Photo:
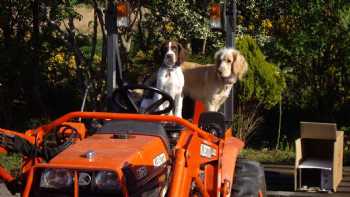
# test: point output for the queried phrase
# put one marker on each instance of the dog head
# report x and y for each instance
(231, 65)
(172, 53)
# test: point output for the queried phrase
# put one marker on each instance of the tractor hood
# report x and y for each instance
(110, 152)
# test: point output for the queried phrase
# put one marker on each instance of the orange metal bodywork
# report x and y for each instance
(137, 151)
(198, 158)
(80, 128)
(231, 147)
(199, 108)
(134, 149)
(5, 175)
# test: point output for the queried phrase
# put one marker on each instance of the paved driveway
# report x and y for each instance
(4, 192)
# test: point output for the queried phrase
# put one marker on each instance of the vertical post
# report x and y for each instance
(230, 27)
(230, 22)
(111, 49)
(114, 67)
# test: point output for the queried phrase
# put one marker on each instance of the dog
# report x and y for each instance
(170, 78)
(212, 83)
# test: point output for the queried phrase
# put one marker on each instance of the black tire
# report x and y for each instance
(249, 179)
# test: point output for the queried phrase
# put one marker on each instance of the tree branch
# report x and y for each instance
(102, 25)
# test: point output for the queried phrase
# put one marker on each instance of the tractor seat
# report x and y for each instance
(135, 127)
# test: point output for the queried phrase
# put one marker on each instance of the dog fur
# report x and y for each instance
(212, 83)
(170, 78)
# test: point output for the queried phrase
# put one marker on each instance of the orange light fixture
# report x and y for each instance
(122, 9)
(215, 16)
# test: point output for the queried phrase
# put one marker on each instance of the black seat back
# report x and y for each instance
(213, 122)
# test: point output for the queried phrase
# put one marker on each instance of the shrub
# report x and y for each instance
(261, 89)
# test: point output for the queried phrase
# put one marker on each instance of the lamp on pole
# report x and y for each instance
(116, 16)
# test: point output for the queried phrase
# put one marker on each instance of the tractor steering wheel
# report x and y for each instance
(122, 99)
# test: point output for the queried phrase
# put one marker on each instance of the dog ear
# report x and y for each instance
(158, 55)
(240, 65)
(217, 57)
(163, 49)
(181, 53)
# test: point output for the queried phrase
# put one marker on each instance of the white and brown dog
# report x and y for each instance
(212, 83)
(170, 78)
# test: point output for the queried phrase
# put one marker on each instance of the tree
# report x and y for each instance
(177, 19)
(309, 41)
(42, 56)
(260, 90)
(313, 45)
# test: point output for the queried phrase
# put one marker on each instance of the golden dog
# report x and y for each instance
(212, 83)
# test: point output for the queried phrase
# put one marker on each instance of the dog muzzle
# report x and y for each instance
(171, 67)
(227, 80)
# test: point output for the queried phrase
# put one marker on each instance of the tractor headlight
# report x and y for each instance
(56, 178)
(107, 181)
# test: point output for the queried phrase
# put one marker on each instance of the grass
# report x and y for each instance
(269, 156)
(11, 163)
(286, 157)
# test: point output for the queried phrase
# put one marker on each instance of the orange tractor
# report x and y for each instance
(131, 154)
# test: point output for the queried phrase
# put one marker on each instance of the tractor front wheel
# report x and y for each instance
(249, 179)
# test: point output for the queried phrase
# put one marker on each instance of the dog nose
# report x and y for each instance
(169, 55)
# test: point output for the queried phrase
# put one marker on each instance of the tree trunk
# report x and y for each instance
(94, 40)
(142, 36)
(279, 126)
(204, 46)
(102, 26)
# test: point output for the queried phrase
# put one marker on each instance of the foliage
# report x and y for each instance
(315, 52)
(15, 72)
(254, 19)
(179, 13)
(202, 59)
(46, 62)
(264, 82)
(309, 41)
(247, 121)
(11, 163)
(261, 89)
(155, 21)
(44, 69)
(182, 20)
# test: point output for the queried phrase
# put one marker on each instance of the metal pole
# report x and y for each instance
(230, 26)
(111, 49)
(230, 22)
(114, 66)
(119, 73)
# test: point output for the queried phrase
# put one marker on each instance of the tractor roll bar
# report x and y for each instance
(122, 116)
